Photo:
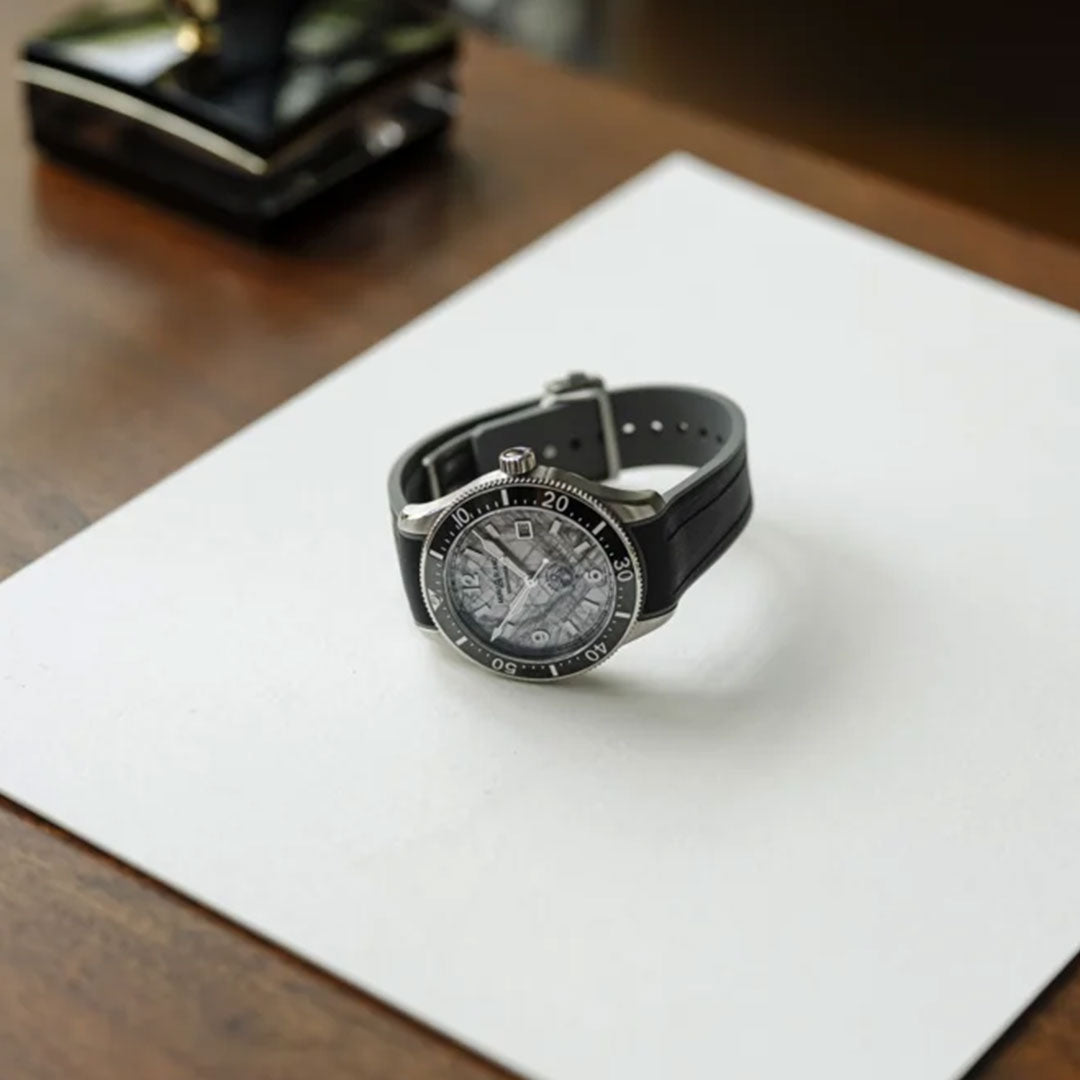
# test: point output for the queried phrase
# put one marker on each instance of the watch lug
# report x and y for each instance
(647, 626)
(417, 519)
(631, 506)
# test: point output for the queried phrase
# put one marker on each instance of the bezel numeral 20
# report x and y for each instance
(552, 500)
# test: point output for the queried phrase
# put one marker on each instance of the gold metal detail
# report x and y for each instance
(198, 32)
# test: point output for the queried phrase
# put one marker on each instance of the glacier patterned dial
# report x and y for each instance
(530, 581)
(533, 581)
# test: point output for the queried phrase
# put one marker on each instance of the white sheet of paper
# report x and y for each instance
(824, 823)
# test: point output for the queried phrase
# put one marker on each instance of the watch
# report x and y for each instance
(515, 549)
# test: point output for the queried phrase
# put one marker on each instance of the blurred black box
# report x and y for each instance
(246, 112)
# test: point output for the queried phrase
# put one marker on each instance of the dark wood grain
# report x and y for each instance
(971, 100)
(134, 339)
(104, 975)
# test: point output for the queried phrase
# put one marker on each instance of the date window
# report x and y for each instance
(523, 529)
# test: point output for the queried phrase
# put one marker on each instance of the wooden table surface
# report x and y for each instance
(134, 339)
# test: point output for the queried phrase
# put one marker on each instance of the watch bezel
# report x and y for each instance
(528, 491)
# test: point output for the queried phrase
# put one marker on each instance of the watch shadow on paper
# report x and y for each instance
(760, 641)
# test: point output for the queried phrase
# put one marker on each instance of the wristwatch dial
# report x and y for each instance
(532, 580)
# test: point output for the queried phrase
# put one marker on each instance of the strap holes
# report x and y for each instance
(575, 444)
(703, 432)
(720, 438)
(629, 427)
(683, 427)
(549, 452)
(657, 426)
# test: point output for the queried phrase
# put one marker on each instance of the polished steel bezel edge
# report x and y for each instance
(500, 480)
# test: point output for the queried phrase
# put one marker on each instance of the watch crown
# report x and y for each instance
(517, 460)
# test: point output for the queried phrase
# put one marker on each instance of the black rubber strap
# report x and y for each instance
(655, 425)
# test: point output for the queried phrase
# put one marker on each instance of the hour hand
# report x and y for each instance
(504, 557)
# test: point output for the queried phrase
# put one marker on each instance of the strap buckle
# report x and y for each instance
(577, 386)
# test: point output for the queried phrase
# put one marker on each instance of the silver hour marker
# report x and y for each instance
(491, 530)
(582, 547)
(556, 525)
(588, 600)
(569, 627)
(523, 530)
(599, 528)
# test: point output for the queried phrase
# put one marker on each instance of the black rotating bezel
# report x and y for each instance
(507, 493)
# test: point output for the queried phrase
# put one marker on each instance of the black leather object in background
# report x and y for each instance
(280, 66)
